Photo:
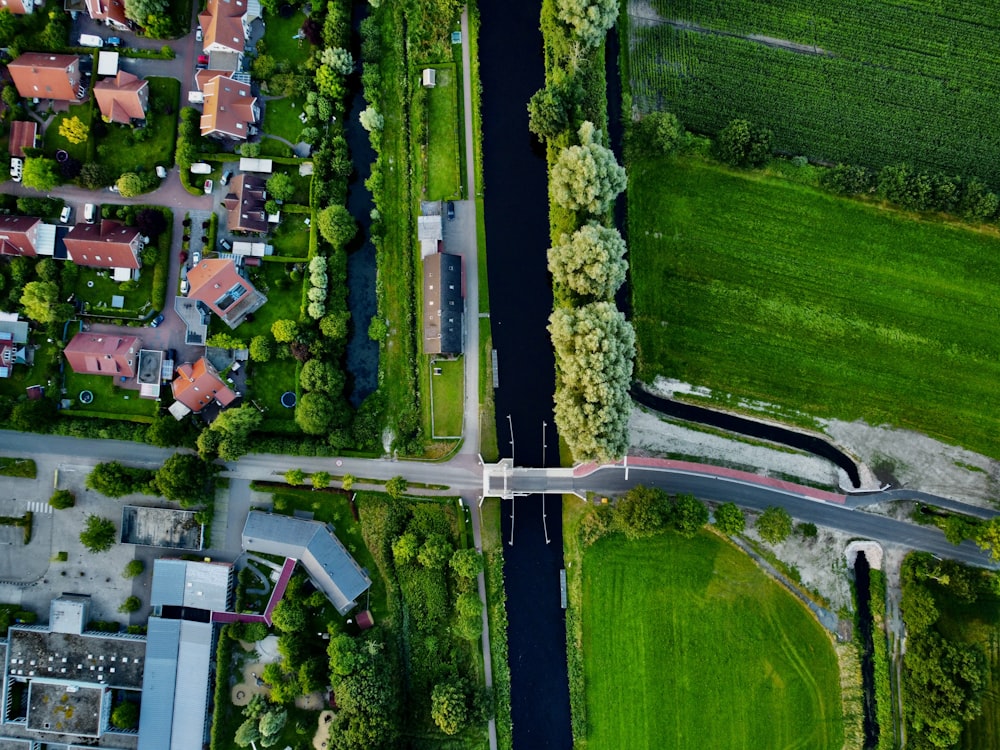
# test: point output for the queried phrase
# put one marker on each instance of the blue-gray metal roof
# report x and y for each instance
(168, 583)
(159, 683)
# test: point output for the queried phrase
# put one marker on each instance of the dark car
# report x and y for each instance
(225, 178)
(183, 256)
(451, 210)
(226, 244)
(156, 321)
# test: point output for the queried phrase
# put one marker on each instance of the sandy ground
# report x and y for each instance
(244, 691)
(322, 739)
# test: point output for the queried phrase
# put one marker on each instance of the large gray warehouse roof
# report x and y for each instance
(326, 560)
(184, 583)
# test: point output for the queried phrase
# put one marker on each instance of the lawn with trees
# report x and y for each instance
(814, 303)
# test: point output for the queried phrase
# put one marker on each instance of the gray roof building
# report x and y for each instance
(183, 583)
(443, 304)
(328, 563)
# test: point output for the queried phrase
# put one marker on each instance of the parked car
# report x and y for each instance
(225, 178)
(451, 210)
(195, 258)
(184, 287)
(198, 36)
(202, 61)
(161, 171)
(208, 186)
(113, 188)
(113, 41)
(65, 214)
(16, 169)
(183, 256)
(225, 244)
(156, 321)
(89, 212)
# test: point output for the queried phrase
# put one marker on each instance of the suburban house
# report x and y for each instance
(22, 136)
(18, 7)
(43, 75)
(245, 204)
(110, 12)
(123, 98)
(106, 244)
(103, 354)
(443, 304)
(230, 110)
(60, 680)
(19, 235)
(198, 385)
(13, 343)
(311, 543)
(218, 285)
(226, 24)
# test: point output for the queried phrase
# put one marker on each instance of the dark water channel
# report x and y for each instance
(862, 587)
(362, 352)
(510, 53)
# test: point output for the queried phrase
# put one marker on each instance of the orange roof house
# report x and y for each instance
(198, 385)
(220, 287)
(22, 136)
(245, 204)
(229, 109)
(18, 7)
(44, 75)
(123, 98)
(103, 354)
(226, 24)
(19, 235)
(112, 12)
(106, 244)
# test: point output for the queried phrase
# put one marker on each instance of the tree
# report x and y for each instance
(642, 511)
(396, 487)
(405, 548)
(740, 144)
(230, 433)
(807, 530)
(262, 348)
(284, 331)
(334, 325)
(586, 177)
(125, 715)
(271, 725)
(289, 616)
(98, 534)
(130, 184)
(552, 110)
(247, 734)
(295, 477)
(142, 11)
(591, 262)
(280, 187)
(40, 174)
(130, 605)
(378, 329)
(336, 225)
(314, 412)
(94, 176)
(133, 569)
(589, 21)
(320, 480)
(774, 525)
(41, 302)
(656, 134)
(186, 479)
(338, 59)
(317, 375)
(347, 482)
(115, 480)
(689, 514)
(62, 499)
(435, 552)
(371, 120)
(729, 519)
(467, 563)
(151, 222)
(74, 130)
(8, 30)
(594, 347)
(448, 707)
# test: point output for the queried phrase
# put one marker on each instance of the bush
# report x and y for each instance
(62, 499)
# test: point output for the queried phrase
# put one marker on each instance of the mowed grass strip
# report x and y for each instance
(443, 179)
(688, 644)
(777, 291)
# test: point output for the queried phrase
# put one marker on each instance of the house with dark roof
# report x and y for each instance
(19, 235)
(44, 75)
(313, 544)
(109, 12)
(245, 204)
(229, 110)
(103, 354)
(18, 7)
(198, 385)
(444, 304)
(217, 284)
(105, 244)
(123, 98)
(22, 136)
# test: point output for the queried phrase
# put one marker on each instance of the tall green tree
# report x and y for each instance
(41, 302)
(590, 262)
(98, 534)
(141, 11)
(336, 225)
(40, 173)
(587, 177)
(774, 525)
(186, 479)
(448, 707)
(589, 20)
(729, 519)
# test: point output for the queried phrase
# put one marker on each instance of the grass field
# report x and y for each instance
(443, 179)
(117, 150)
(54, 142)
(688, 644)
(776, 291)
(868, 83)
(447, 391)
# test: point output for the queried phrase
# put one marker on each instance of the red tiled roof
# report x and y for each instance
(106, 244)
(18, 235)
(222, 24)
(228, 108)
(123, 98)
(46, 76)
(103, 354)
(16, 6)
(108, 10)
(22, 136)
(220, 287)
(197, 385)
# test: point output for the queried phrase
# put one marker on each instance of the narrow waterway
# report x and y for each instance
(862, 588)
(362, 352)
(516, 199)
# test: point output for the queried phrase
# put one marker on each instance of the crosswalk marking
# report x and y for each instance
(39, 507)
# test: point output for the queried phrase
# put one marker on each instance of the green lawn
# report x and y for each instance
(776, 291)
(119, 150)
(108, 397)
(54, 142)
(96, 288)
(279, 39)
(447, 390)
(281, 118)
(291, 237)
(688, 644)
(442, 175)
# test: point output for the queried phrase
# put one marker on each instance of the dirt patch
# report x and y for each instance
(311, 702)
(321, 741)
(248, 688)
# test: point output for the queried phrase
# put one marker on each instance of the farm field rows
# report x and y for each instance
(689, 644)
(870, 82)
(777, 291)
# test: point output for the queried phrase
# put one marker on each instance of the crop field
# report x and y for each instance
(869, 82)
(688, 644)
(776, 291)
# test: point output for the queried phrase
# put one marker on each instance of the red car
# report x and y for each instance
(202, 61)
(183, 256)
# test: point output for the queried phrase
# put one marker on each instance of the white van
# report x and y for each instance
(91, 40)
(89, 213)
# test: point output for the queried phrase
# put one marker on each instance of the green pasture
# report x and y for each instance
(770, 290)
(687, 644)
(448, 392)
(442, 158)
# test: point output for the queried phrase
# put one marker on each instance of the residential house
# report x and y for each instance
(8, 354)
(22, 136)
(106, 244)
(110, 12)
(245, 204)
(443, 304)
(230, 109)
(198, 385)
(226, 24)
(18, 7)
(218, 285)
(19, 235)
(122, 99)
(103, 354)
(44, 75)
(13, 343)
